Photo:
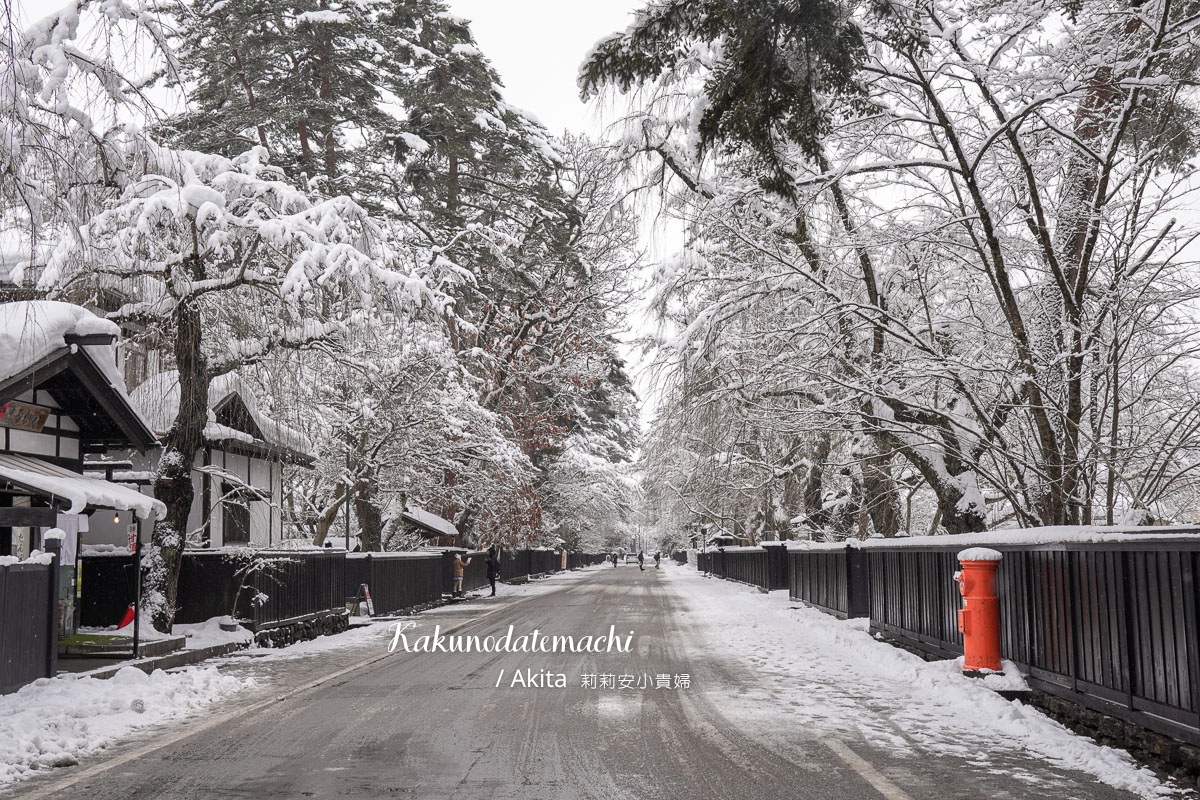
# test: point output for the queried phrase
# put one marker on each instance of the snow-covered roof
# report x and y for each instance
(158, 399)
(430, 521)
(58, 482)
(34, 333)
(34, 329)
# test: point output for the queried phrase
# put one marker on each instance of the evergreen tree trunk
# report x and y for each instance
(306, 158)
(326, 94)
(251, 102)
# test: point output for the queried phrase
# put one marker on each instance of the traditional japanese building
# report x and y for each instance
(63, 399)
(238, 476)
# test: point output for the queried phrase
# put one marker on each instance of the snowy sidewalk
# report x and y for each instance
(832, 679)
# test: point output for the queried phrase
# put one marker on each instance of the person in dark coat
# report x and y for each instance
(641, 561)
(657, 556)
(614, 560)
(493, 567)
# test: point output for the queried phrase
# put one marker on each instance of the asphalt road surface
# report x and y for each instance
(362, 723)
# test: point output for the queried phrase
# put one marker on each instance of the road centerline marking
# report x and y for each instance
(863, 767)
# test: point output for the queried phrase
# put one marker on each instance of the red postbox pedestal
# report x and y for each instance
(979, 618)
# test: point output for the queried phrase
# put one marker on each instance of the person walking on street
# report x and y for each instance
(459, 565)
(641, 561)
(657, 556)
(493, 567)
(614, 560)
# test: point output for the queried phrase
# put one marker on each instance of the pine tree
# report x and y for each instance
(300, 78)
(786, 70)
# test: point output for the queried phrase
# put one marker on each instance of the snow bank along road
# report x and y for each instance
(724, 693)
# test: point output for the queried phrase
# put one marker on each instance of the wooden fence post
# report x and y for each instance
(54, 548)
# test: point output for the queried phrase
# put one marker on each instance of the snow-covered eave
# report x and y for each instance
(79, 492)
(158, 396)
(429, 521)
(224, 389)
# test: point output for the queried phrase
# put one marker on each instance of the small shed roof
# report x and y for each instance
(430, 521)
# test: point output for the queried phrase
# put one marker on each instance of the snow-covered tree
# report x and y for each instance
(943, 260)
(528, 239)
(72, 83)
(227, 264)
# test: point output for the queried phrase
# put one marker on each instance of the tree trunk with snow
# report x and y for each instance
(173, 482)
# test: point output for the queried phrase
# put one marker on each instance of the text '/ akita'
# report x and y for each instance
(535, 642)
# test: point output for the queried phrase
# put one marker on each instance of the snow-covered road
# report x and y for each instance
(763, 700)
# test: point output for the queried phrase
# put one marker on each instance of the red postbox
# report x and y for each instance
(979, 618)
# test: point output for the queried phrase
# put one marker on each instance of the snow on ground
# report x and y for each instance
(209, 633)
(54, 722)
(551, 582)
(832, 676)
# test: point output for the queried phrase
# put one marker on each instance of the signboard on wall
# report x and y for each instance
(23, 416)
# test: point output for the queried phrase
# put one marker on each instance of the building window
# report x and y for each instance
(235, 523)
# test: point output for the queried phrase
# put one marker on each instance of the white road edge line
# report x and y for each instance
(55, 788)
(871, 775)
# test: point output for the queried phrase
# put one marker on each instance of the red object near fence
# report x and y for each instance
(979, 618)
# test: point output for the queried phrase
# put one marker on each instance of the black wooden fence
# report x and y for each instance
(580, 560)
(1111, 626)
(265, 588)
(29, 631)
(743, 564)
(834, 580)
(397, 581)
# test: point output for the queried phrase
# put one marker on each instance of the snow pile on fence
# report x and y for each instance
(54, 722)
(1051, 535)
(36, 557)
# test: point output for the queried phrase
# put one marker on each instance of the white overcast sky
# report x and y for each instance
(537, 45)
